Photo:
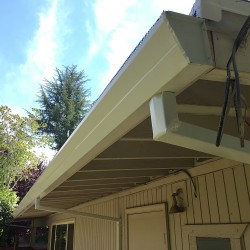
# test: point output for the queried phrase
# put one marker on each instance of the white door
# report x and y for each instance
(147, 228)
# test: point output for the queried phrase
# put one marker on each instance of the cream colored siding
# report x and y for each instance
(223, 197)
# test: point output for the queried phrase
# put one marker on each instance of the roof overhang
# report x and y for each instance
(113, 148)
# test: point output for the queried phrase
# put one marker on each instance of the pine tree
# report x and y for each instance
(64, 102)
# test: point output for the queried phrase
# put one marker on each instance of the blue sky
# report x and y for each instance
(96, 35)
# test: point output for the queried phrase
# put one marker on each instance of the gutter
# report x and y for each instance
(169, 129)
(168, 51)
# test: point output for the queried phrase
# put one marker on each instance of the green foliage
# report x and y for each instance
(18, 138)
(64, 102)
(22, 187)
(9, 198)
(8, 202)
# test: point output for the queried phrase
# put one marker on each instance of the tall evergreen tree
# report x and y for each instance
(64, 102)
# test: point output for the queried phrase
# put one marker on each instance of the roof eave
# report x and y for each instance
(160, 62)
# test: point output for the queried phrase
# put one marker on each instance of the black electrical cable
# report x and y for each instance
(225, 109)
(237, 102)
(234, 85)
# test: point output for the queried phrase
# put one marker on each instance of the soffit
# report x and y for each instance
(136, 159)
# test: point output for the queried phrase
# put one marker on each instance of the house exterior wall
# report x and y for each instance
(223, 198)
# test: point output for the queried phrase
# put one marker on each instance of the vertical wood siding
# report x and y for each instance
(223, 197)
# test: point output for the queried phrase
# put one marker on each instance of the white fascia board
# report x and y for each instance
(158, 63)
(169, 129)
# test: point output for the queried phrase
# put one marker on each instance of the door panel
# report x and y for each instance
(147, 231)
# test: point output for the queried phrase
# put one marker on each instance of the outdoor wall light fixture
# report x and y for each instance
(190, 177)
(178, 202)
